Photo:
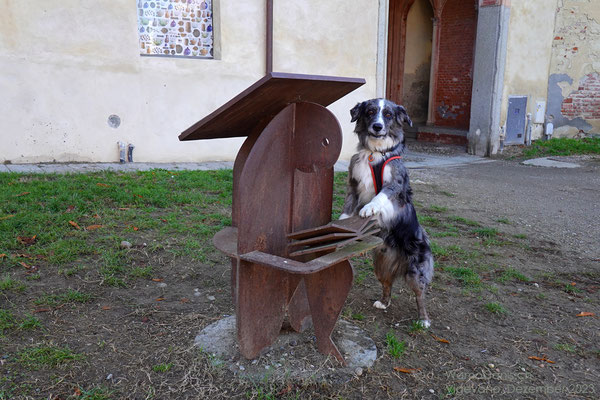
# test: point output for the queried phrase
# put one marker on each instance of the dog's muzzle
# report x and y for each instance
(376, 130)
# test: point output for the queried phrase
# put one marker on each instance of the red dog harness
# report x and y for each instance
(377, 172)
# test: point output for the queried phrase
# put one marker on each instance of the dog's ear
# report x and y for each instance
(402, 116)
(357, 111)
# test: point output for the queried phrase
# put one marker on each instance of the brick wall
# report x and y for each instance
(458, 25)
(585, 101)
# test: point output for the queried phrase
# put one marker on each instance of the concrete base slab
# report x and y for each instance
(56, 168)
(547, 162)
(24, 168)
(292, 355)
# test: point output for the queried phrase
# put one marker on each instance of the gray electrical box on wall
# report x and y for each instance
(516, 120)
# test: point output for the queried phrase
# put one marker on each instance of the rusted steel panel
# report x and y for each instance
(298, 306)
(316, 265)
(331, 236)
(265, 98)
(265, 188)
(327, 291)
(260, 309)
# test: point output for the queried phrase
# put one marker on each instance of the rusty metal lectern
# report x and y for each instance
(287, 257)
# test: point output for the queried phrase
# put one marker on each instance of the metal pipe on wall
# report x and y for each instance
(269, 38)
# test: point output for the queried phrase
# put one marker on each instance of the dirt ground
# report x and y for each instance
(514, 307)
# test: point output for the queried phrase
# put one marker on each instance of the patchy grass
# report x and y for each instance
(142, 272)
(7, 320)
(46, 356)
(485, 232)
(495, 308)
(162, 367)
(97, 393)
(437, 209)
(569, 348)
(395, 347)
(438, 251)
(562, 147)
(9, 284)
(443, 234)
(363, 268)
(29, 323)
(429, 221)
(69, 296)
(62, 212)
(357, 316)
(466, 276)
(464, 221)
(416, 327)
(572, 289)
(339, 194)
(512, 274)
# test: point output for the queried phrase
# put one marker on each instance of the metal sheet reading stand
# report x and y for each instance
(287, 257)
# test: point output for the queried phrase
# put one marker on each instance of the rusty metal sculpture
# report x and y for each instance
(286, 255)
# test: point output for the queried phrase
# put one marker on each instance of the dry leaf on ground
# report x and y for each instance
(27, 240)
(407, 370)
(541, 359)
(586, 314)
(74, 224)
(439, 339)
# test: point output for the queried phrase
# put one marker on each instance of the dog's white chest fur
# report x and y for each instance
(364, 176)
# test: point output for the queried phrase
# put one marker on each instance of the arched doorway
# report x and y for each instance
(417, 64)
(430, 56)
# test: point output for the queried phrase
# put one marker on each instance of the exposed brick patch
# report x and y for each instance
(458, 24)
(585, 101)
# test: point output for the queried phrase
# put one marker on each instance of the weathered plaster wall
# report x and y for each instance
(330, 38)
(67, 65)
(529, 49)
(574, 82)
(419, 28)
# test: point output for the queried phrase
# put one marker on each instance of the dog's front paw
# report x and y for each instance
(344, 216)
(425, 323)
(379, 305)
(369, 210)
